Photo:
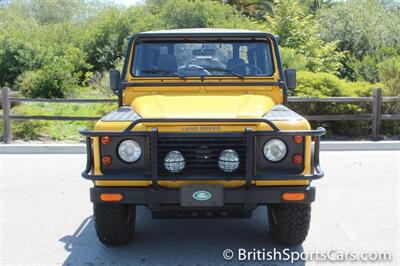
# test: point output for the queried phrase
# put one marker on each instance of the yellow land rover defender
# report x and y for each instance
(202, 130)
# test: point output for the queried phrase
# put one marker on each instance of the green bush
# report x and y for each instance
(15, 58)
(27, 130)
(327, 85)
(66, 130)
(389, 73)
(55, 79)
(291, 59)
(48, 82)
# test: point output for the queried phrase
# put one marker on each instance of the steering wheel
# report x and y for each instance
(189, 67)
(258, 71)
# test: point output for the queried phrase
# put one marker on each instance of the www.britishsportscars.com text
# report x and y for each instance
(331, 255)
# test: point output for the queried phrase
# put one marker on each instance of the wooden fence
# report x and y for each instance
(375, 117)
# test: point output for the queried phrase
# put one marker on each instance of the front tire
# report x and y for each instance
(289, 223)
(114, 223)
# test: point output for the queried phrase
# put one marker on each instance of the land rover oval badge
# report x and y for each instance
(201, 195)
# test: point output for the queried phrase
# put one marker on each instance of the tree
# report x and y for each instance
(253, 8)
(297, 30)
(103, 42)
(361, 26)
(389, 73)
(200, 14)
(315, 5)
(367, 30)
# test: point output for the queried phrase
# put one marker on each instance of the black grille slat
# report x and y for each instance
(185, 147)
(193, 148)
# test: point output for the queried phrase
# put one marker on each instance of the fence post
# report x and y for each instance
(5, 93)
(376, 113)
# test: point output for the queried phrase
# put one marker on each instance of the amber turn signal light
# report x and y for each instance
(111, 197)
(106, 160)
(298, 139)
(105, 140)
(297, 159)
(293, 196)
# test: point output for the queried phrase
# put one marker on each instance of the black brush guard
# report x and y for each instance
(316, 171)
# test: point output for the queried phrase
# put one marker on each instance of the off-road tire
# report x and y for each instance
(289, 223)
(114, 223)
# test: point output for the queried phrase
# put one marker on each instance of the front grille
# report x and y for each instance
(201, 154)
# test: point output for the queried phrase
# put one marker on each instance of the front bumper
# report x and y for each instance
(231, 196)
(316, 171)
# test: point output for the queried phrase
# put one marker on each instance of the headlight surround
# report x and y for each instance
(275, 150)
(129, 151)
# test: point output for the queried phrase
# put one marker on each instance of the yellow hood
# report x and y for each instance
(198, 106)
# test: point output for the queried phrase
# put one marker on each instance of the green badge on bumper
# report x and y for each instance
(201, 195)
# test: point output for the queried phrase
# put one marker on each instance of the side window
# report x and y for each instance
(270, 61)
(138, 59)
(147, 57)
(260, 56)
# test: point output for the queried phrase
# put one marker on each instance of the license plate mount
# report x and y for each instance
(202, 195)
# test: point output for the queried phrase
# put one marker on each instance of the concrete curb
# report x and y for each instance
(358, 145)
(42, 149)
(80, 148)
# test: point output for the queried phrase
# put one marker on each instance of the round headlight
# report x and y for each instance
(228, 161)
(174, 161)
(129, 151)
(275, 150)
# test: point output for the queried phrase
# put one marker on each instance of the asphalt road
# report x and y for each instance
(46, 217)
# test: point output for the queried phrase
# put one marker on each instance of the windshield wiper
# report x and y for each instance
(227, 70)
(163, 71)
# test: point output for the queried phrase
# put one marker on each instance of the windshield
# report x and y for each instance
(202, 58)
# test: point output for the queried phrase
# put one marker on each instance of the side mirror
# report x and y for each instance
(115, 80)
(290, 78)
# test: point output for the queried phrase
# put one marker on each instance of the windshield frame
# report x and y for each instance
(188, 39)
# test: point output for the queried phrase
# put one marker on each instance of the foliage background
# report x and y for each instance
(64, 48)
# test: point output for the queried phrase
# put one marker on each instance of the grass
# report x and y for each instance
(56, 130)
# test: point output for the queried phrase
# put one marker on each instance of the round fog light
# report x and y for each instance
(228, 161)
(174, 161)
